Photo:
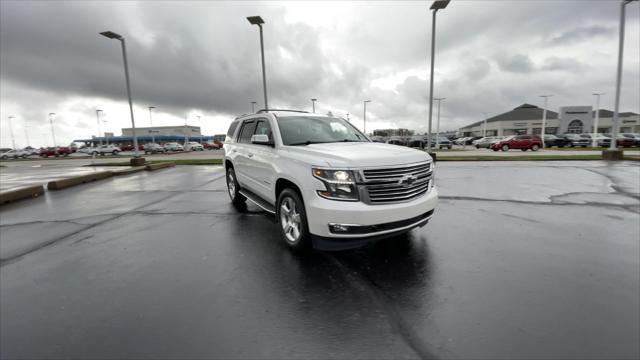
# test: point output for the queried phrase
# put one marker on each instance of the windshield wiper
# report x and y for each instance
(308, 142)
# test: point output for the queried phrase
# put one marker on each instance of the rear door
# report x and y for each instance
(241, 160)
(261, 161)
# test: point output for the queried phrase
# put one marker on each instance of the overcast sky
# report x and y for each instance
(202, 58)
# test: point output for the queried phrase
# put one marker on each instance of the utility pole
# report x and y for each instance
(544, 118)
(98, 111)
(53, 134)
(13, 140)
(594, 142)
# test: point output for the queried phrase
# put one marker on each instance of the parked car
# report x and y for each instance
(396, 140)
(211, 146)
(31, 151)
(416, 142)
(485, 142)
(193, 146)
(634, 137)
(601, 140)
(357, 190)
(623, 141)
(442, 143)
(14, 154)
(575, 140)
(131, 147)
(55, 151)
(105, 150)
(173, 146)
(552, 140)
(378, 139)
(153, 148)
(522, 142)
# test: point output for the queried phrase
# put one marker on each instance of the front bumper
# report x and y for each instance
(366, 221)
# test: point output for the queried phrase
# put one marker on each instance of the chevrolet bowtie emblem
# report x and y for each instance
(407, 180)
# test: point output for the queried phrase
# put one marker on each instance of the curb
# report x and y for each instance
(128, 171)
(20, 194)
(157, 166)
(77, 180)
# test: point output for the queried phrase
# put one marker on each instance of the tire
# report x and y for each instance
(505, 147)
(523, 149)
(293, 224)
(233, 188)
(570, 145)
(495, 149)
(114, 153)
(477, 146)
(535, 147)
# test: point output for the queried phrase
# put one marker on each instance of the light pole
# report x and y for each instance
(112, 35)
(435, 6)
(438, 122)
(200, 124)
(53, 134)
(365, 115)
(313, 103)
(257, 20)
(153, 137)
(26, 132)
(614, 132)
(104, 132)
(544, 118)
(253, 107)
(98, 111)
(594, 143)
(13, 140)
(484, 125)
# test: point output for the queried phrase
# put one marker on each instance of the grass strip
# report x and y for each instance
(529, 158)
(177, 162)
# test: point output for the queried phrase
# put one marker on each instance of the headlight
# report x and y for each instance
(340, 184)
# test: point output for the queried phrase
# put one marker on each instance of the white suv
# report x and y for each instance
(327, 184)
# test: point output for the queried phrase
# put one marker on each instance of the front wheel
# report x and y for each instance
(535, 147)
(292, 219)
(237, 199)
(505, 147)
(114, 153)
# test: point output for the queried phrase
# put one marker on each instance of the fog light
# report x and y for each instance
(338, 228)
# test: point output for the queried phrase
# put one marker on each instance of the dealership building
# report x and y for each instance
(527, 119)
(159, 134)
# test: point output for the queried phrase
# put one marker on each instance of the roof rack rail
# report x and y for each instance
(267, 110)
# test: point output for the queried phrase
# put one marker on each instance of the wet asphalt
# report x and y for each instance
(521, 260)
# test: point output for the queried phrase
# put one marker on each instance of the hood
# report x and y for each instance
(357, 154)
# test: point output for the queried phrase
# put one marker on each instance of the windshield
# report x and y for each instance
(509, 137)
(313, 130)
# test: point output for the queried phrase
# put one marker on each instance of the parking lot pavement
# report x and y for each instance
(521, 260)
(15, 177)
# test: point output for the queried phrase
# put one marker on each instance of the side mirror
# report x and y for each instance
(261, 140)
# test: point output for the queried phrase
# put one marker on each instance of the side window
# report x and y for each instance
(232, 128)
(263, 128)
(246, 131)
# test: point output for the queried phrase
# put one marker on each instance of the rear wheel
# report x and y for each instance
(114, 152)
(292, 219)
(535, 147)
(237, 199)
(505, 147)
(524, 149)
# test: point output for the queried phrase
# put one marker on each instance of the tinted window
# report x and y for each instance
(232, 128)
(247, 130)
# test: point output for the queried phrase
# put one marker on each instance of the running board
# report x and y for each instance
(258, 201)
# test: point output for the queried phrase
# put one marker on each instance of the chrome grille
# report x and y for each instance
(389, 185)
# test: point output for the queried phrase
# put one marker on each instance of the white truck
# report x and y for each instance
(327, 184)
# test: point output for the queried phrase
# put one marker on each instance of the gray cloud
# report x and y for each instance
(204, 55)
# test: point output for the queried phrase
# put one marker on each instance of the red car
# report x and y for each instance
(623, 141)
(130, 147)
(52, 151)
(522, 142)
(214, 146)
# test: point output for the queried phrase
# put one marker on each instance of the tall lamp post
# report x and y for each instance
(257, 20)
(438, 122)
(13, 140)
(153, 137)
(544, 118)
(313, 104)
(26, 132)
(594, 142)
(112, 35)
(53, 134)
(614, 132)
(253, 107)
(365, 115)
(435, 6)
(98, 111)
(200, 124)
(484, 124)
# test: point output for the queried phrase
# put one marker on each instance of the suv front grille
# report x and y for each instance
(389, 185)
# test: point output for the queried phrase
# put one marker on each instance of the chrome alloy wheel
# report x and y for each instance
(231, 184)
(290, 220)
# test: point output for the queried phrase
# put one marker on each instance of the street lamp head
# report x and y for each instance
(111, 35)
(545, 96)
(51, 114)
(314, 99)
(367, 101)
(598, 94)
(255, 20)
(439, 4)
